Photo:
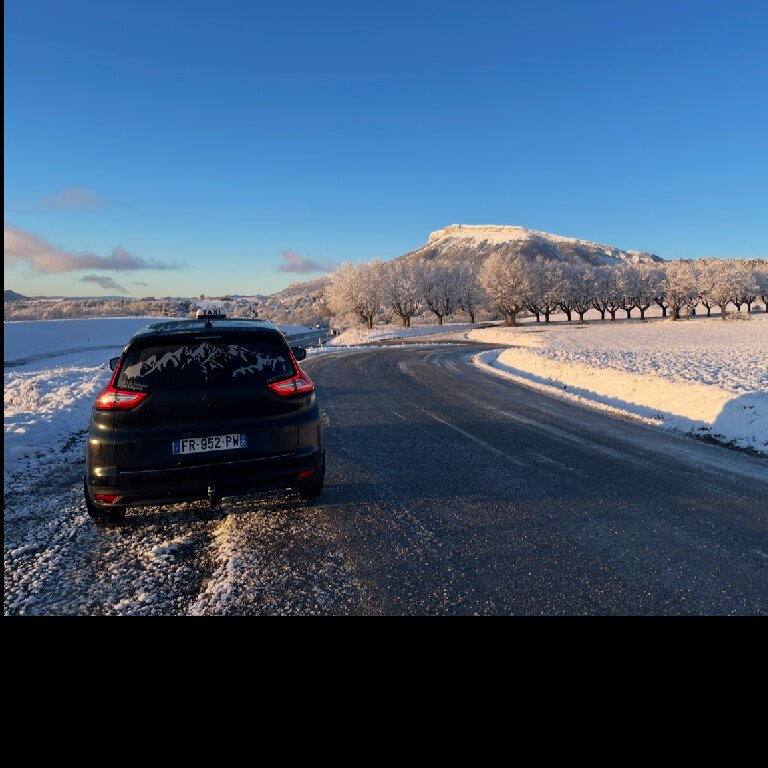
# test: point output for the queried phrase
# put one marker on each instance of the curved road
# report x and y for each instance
(452, 491)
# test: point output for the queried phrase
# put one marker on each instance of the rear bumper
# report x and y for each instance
(169, 485)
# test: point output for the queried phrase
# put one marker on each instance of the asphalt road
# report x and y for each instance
(453, 492)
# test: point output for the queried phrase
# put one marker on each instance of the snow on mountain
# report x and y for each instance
(474, 243)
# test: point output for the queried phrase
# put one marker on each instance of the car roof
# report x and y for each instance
(202, 327)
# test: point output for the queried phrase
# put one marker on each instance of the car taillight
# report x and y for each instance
(300, 384)
(112, 399)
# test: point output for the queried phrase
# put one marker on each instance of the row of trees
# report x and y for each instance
(404, 290)
(514, 285)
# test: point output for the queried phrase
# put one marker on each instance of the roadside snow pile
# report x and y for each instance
(43, 408)
(700, 376)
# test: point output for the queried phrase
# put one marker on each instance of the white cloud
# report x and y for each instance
(21, 246)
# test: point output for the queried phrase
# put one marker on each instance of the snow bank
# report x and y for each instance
(699, 376)
(700, 409)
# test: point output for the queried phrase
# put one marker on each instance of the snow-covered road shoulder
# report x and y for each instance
(644, 371)
(698, 409)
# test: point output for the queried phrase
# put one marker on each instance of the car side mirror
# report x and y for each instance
(299, 353)
(113, 361)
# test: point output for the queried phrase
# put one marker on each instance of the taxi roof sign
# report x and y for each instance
(211, 313)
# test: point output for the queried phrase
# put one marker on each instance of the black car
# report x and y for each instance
(200, 409)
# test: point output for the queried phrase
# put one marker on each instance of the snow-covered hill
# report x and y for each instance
(469, 243)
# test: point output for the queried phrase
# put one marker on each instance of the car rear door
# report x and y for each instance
(208, 401)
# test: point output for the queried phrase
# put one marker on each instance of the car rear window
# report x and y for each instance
(205, 363)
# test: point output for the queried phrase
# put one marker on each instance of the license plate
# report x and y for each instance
(205, 444)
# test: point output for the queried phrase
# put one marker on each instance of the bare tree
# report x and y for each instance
(505, 280)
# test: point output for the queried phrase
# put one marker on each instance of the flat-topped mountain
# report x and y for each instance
(472, 243)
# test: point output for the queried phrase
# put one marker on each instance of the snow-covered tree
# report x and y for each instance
(439, 288)
(678, 286)
(505, 279)
(544, 279)
(627, 282)
(761, 278)
(647, 286)
(728, 280)
(355, 289)
(706, 285)
(607, 290)
(748, 286)
(470, 296)
(577, 290)
(401, 289)
(693, 299)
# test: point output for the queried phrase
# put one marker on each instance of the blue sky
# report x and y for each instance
(164, 148)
